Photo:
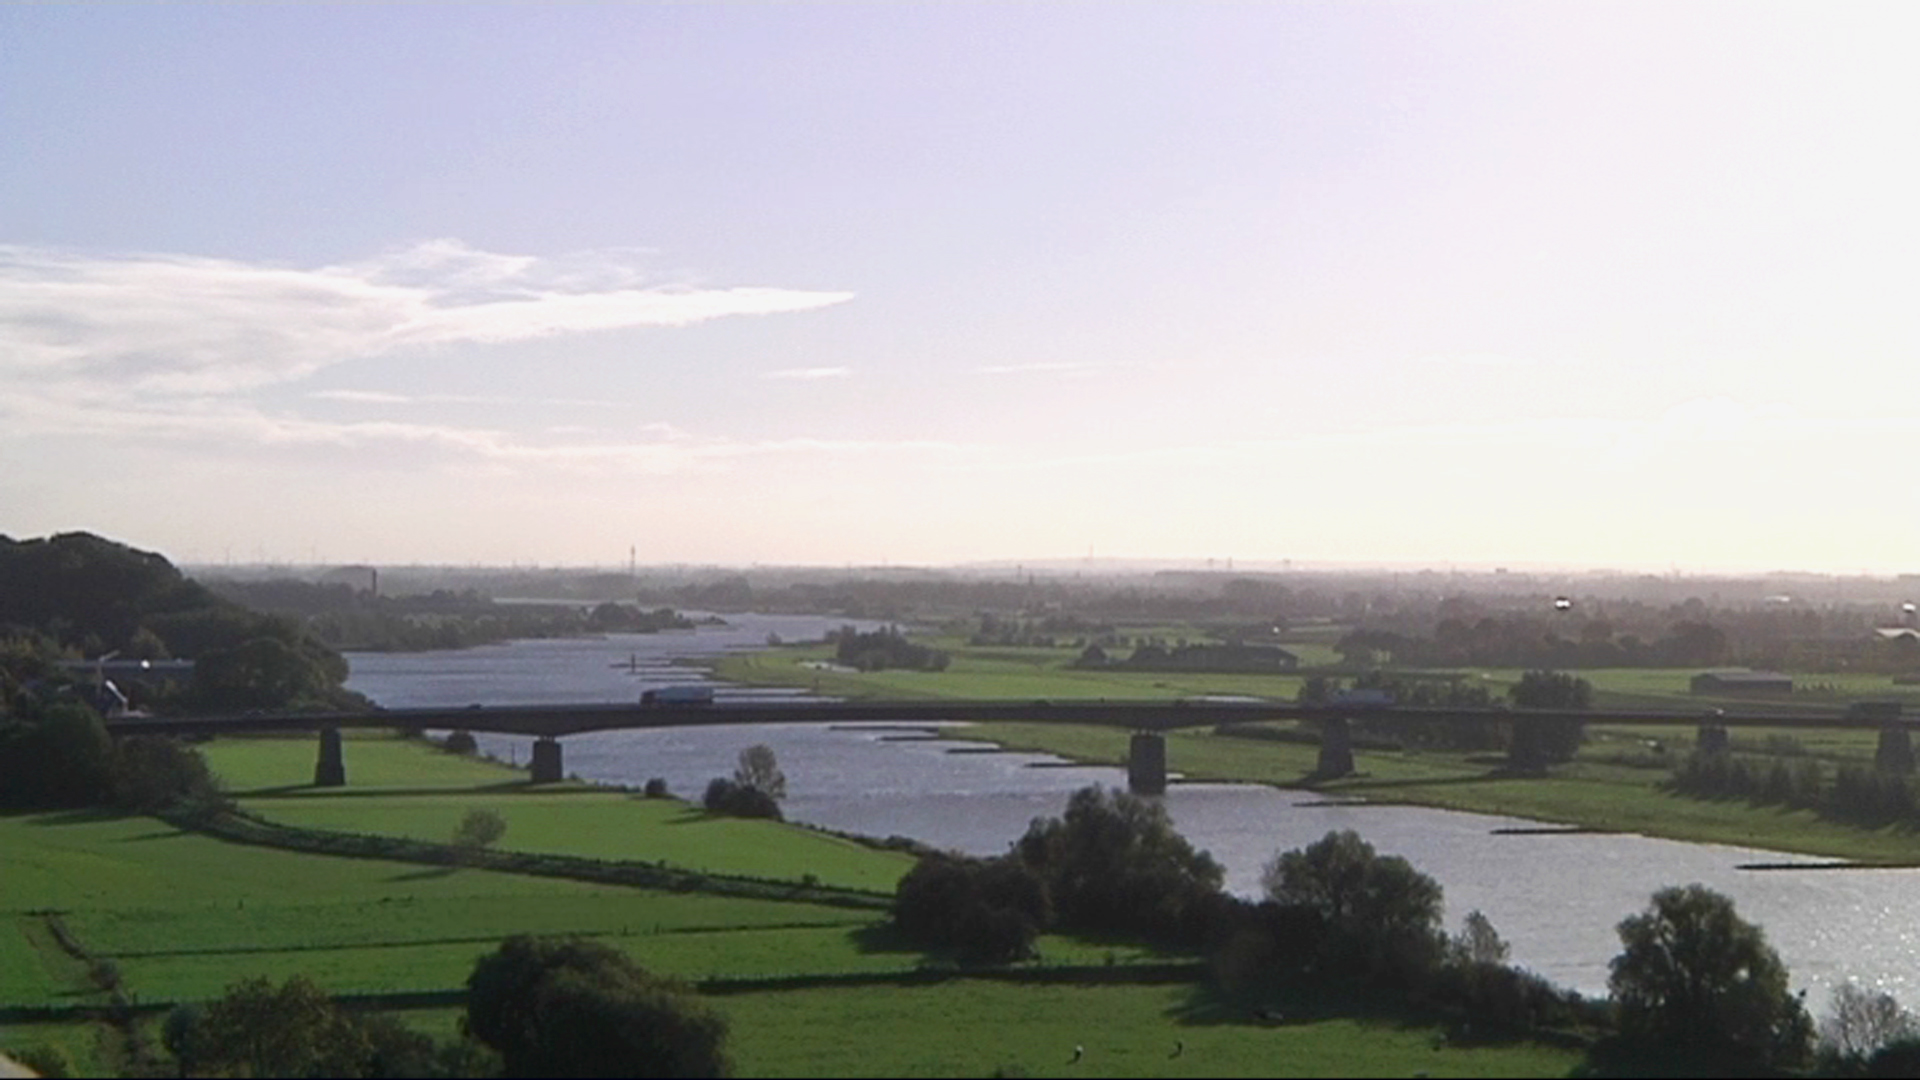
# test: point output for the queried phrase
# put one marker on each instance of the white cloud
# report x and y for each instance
(174, 324)
(810, 373)
(1035, 369)
(363, 397)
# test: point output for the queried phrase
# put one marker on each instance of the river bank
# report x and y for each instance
(1597, 791)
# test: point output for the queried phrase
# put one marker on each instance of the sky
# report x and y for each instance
(1610, 285)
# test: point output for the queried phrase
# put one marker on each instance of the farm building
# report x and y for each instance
(1742, 682)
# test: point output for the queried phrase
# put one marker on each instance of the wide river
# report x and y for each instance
(1555, 898)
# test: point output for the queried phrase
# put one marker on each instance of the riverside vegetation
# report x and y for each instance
(1613, 777)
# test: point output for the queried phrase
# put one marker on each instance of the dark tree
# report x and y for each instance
(1698, 981)
(760, 770)
(54, 754)
(154, 772)
(1115, 863)
(572, 1007)
(725, 796)
(985, 909)
(1537, 741)
(1382, 916)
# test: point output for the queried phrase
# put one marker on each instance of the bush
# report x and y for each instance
(46, 1060)
(479, 829)
(989, 910)
(656, 788)
(155, 772)
(460, 742)
(724, 796)
(573, 1007)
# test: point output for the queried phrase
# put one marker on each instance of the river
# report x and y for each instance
(1555, 898)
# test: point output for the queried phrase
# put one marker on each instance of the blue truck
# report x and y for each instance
(677, 695)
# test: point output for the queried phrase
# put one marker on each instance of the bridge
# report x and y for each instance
(1148, 720)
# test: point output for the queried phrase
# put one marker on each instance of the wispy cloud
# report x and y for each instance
(1036, 369)
(381, 397)
(808, 373)
(190, 325)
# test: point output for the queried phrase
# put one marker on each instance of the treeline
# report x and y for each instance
(348, 617)
(1694, 989)
(878, 650)
(535, 1006)
(1854, 793)
(1530, 641)
(58, 755)
(1046, 632)
(1528, 742)
(1224, 657)
(76, 596)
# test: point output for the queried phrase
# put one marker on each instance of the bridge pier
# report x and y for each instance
(1147, 763)
(331, 769)
(1336, 748)
(1712, 739)
(1895, 752)
(546, 761)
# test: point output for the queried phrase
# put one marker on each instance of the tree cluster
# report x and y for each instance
(1854, 793)
(982, 910)
(879, 650)
(91, 596)
(1113, 864)
(1525, 640)
(753, 791)
(1217, 657)
(295, 1029)
(574, 1007)
(58, 755)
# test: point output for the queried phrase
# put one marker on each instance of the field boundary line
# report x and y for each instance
(240, 827)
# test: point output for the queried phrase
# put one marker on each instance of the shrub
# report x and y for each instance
(724, 796)
(480, 828)
(460, 742)
(46, 1060)
(573, 1007)
(656, 788)
(986, 909)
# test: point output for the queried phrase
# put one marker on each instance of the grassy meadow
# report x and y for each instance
(182, 916)
(1616, 782)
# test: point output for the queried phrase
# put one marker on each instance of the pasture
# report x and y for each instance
(1615, 783)
(182, 916)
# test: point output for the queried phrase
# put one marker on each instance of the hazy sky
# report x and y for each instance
(1612, 285)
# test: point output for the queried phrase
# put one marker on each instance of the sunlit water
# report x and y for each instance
(1556, 898)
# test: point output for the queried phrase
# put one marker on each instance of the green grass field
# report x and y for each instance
(184, 916)
(974, 1027)
(1616, 782)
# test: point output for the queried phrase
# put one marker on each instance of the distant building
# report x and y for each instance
(1742, 682)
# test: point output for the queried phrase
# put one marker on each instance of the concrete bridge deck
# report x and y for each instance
(553, 721)
(1148, 720)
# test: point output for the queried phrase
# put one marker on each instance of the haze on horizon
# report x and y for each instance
(1611, 285)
